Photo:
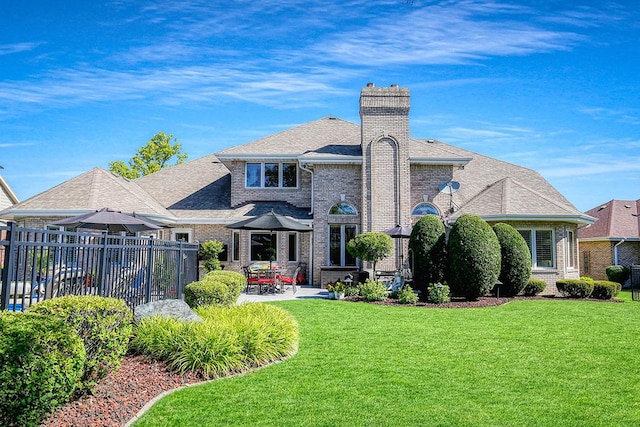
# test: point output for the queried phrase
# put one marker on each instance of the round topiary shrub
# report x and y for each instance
(575, 288)
(604, 289)
(474, 257)
(217, 287)
(515, 267)
(41, 363)
(428, 248)
(618, 273)
(534, 287)
(105, 325)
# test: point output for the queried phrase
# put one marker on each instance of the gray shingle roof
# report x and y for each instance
(91, 190)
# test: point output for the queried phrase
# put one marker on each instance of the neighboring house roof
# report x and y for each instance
(7, 196)
(92, 190)
(617, 219)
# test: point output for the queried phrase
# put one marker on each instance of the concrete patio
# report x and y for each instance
(302, 292)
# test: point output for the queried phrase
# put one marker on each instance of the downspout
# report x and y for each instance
(615, 251)
(310, 264)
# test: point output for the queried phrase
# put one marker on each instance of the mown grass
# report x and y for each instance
(527, 363)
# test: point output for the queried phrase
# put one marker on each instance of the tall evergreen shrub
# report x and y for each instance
(515, 268)
(428, 249)
(474, 256)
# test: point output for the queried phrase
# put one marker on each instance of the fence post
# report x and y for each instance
(7, 270)
(179, 289)
(148, 284)
(102, 270)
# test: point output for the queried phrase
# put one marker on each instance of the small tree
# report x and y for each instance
(371, 247)
(515, 269)
(474, 256)
(618, 273)
(428, 247)
(150, 158)
(209, 252)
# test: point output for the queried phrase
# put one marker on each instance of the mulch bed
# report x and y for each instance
(122, 394)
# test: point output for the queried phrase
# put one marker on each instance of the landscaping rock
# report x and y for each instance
(166, 308)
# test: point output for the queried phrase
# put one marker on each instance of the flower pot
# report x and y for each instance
(338, 295)
(332, 295)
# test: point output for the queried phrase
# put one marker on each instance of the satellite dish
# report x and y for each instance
(449, 187)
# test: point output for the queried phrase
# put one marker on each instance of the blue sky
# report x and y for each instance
(550, 85)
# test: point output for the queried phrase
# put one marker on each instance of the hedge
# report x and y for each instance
(575, 288)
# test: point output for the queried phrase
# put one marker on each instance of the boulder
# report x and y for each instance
(166, 308)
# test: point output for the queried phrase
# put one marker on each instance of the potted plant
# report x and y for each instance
(336, 290)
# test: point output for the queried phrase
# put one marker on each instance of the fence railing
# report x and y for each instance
(38, 264)
(635, 282)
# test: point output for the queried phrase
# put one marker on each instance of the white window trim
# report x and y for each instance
(263, 232)
(186, 231)
(343, 215)
(280, 176)
(534, 252)
(297, 248)
(233, 246)
(343, 244)
(571, 241)
(425, 203)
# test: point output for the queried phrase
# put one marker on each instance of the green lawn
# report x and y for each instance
(527, 363)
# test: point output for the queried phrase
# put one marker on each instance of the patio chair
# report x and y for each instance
(252, 278)
(290, 280)
(267, 281)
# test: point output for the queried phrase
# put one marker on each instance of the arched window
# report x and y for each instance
(343, 208)
(425, 209)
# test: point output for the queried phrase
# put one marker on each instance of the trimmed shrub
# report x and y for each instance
(618, 273)
(352, 290)
(41, 363)
(209, 252)
(534, 287)
(428, 248)
(474, 257)
(575, 288)
(371, 290)
(406, 295)
(105, 325)
(603, 289)
(217, 287)
(515, 267)
(230, 339)
(437, 293)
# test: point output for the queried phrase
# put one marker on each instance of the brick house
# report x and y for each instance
(613, 240)
(340, 178)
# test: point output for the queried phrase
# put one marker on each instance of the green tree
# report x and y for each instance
(474, 256)
(150, 158)
(209, 252)
(428, 248)
(515, 269)
(371, 247)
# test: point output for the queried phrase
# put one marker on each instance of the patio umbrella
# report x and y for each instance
(271, 222)
(108, 220)
(400, 232)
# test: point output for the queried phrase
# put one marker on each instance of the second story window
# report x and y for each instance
(271, 175)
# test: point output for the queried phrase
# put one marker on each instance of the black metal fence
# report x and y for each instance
(635, 282)
(38, 264)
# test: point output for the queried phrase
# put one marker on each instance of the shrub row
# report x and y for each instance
(230, 339)
(586, 287)
(58, 348)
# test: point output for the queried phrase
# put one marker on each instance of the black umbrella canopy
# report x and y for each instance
(399, 231)
(271, 221)
(108, 220)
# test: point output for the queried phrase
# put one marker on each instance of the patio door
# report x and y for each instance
(339, 235)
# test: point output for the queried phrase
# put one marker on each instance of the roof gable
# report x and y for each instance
(616, 219)
(91, 190)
